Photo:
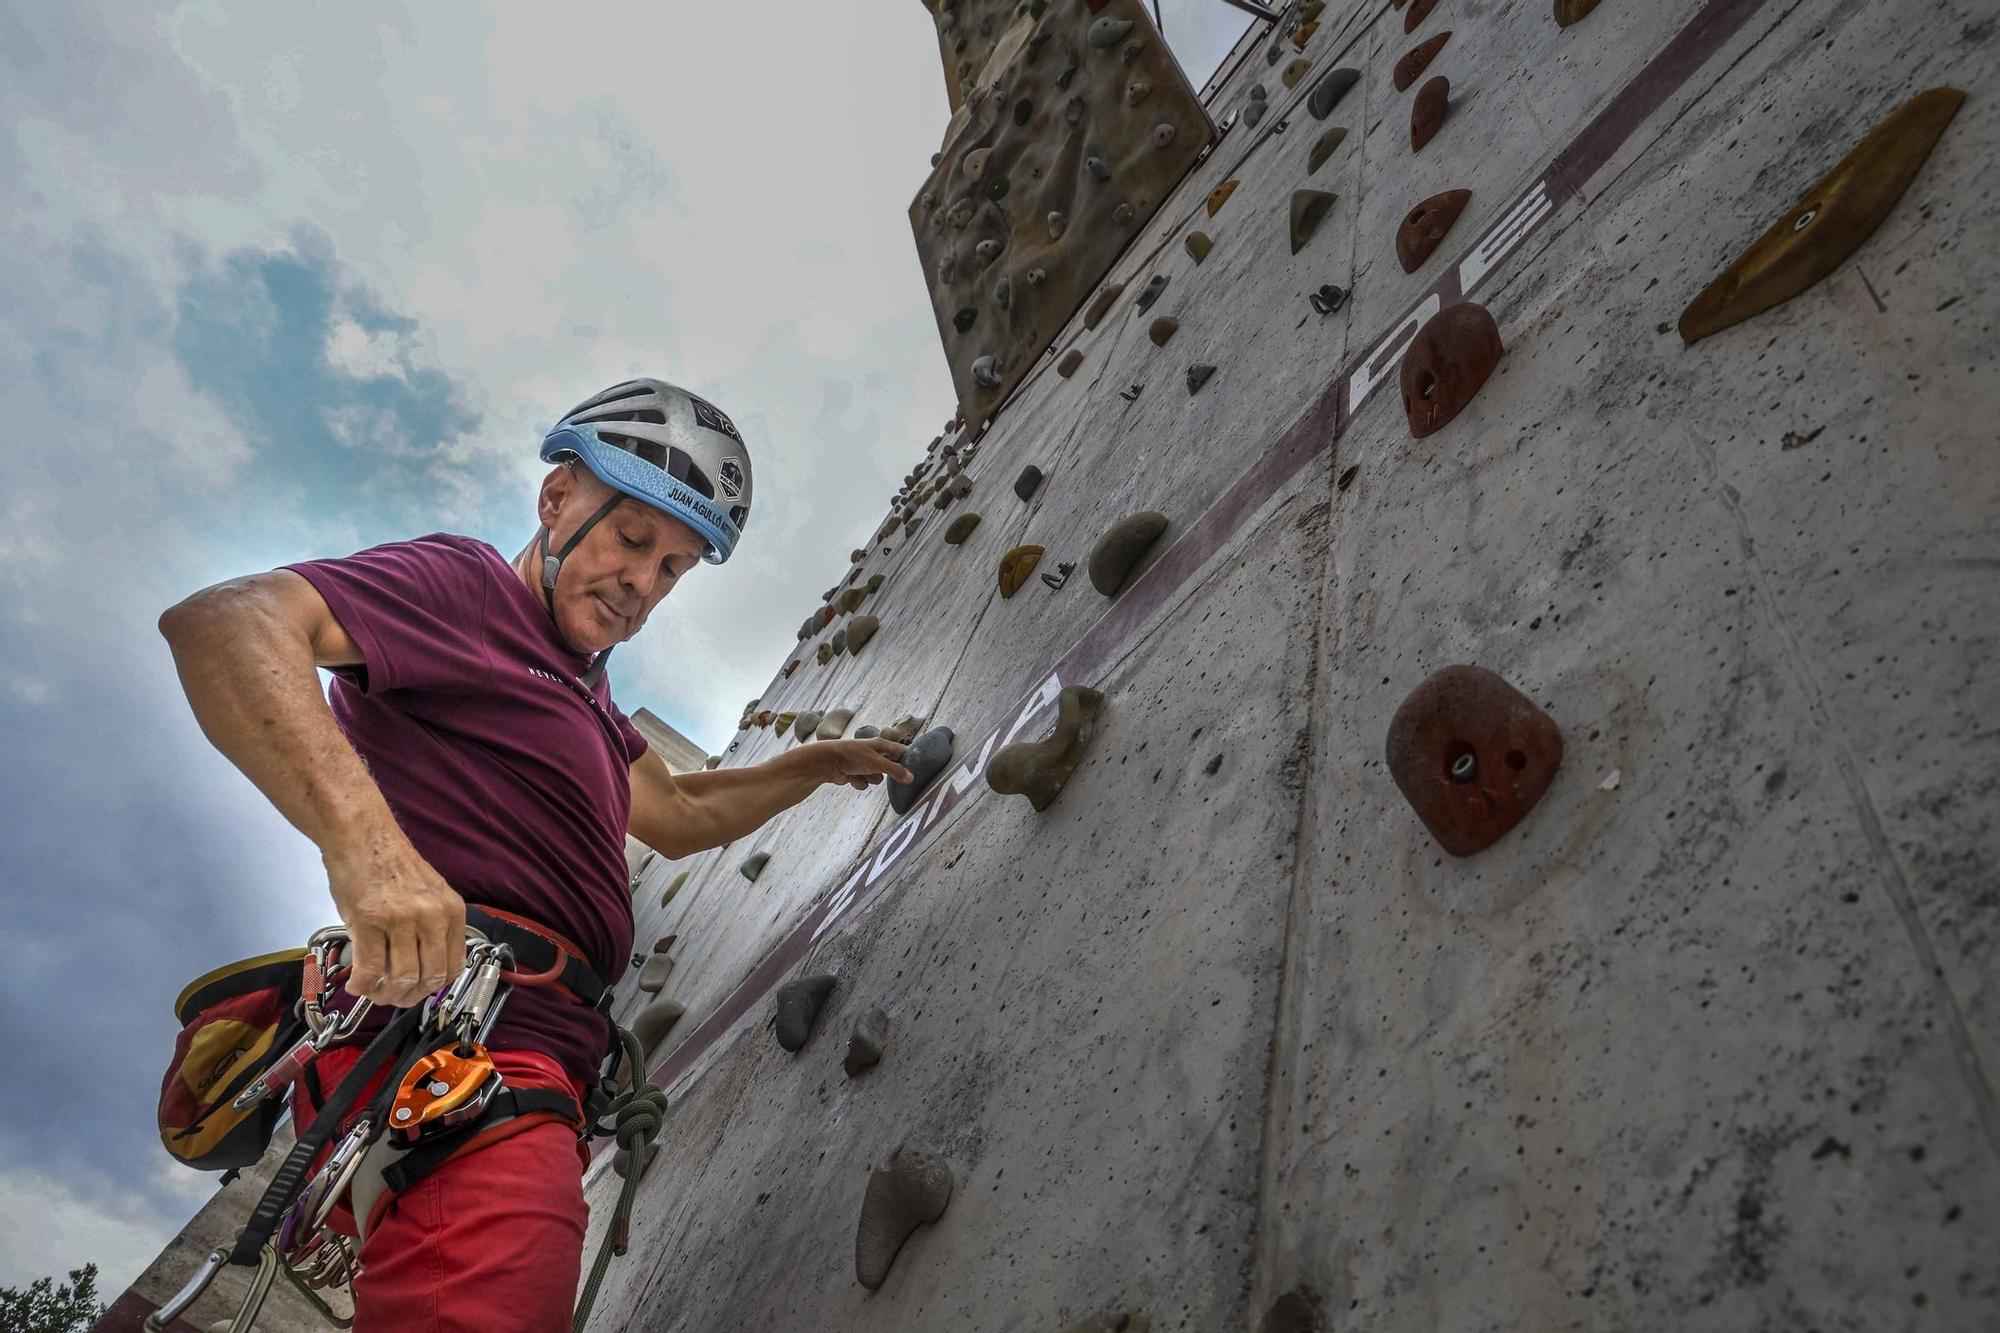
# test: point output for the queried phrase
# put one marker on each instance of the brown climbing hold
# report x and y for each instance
(1197, 376)
(654, 1021)
(864, 1044)
(1415, 60)
(1220, 196)
(1309, 208)
(1015, 566)
(1419, 11)
(753, 865)
(1039, 769)
(822, 617)
(851, 599)
(904, 729)
(799, 1003)
(1573, 11)
(1295, 71)
(783, 723)
(961, 528)
(1198, 245)
(1427, 113)
(913, 1187)
(1833, 220)
(1304, 35)
(1120, 549)
(674, 888)
(834, 725)
(1472, 755)
(875, 582)
(1297, 1311)
(791, 666)
(1323, 148)
(859, 631)
(763, 719)
(1070, 361)
(1162, 329)
(824, 654)
(1100, 305)
(1426, 225)
(1449, 359)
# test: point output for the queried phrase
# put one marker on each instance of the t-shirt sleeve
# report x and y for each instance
(635, 740)
(415, 609)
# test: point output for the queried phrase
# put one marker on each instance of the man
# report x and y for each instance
(472, 753)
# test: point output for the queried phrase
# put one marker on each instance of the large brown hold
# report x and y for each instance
(913, 1187)
(1831, 222)
(1425, 226)
(1417, 58)
(1472, 755)
(1428, 112)
(1418, 11)
(1119, 550)
(1015, 566)
(1040, 769)
(1573, 11)
(1448, 361)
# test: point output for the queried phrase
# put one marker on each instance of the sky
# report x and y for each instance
(287, 281)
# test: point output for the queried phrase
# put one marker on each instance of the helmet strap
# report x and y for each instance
(552, 570)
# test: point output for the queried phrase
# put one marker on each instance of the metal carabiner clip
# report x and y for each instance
(246, 1313)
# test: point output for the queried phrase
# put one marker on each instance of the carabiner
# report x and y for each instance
(164, 1317)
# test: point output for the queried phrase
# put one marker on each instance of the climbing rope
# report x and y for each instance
(637, 1114)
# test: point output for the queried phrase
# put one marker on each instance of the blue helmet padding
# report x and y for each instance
(648, 485)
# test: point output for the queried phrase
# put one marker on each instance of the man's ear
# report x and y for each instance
(557, 490)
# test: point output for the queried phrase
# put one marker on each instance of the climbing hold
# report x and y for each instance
(1056, 224)
(1118, 550)
(1427, 113)
(822, 617)
(986, 251)
(790, 667)
(1100, 305)
(1039, 769)
(961, 528)
(824, 654)
(1037, 276)
(1198, 245)
(1164, 134)
(799, 1003)
(839, 641)
(1220, 196)
(653, 973)
(1254, 112)
(1070, 361)
(834, 725)
(859, 631)
(1130, 54)
(1347, 478)
(1472, 755)
(1097, 168)
(974, 164)
(926, 757)
(1196, 377)
(850, 601)
(868, 732)
(1830, 223)
(864, 1044)
(652, 1023)
(904, 729)
(910, 525)
(1418, 11)
(673, 888)
(912, 1188)
(1137, 91)
(986, 373)
(1332, 86)
(1124, 1321)
(1449, 359)
(1416, 58)
(874, 584)
(763, 719)
(1023, 111)
(713, 761)
(1162, 329)
(1003, 292)
(1025, 484)
(1073, 111)
(1304, 35)
(1295, 71)
(1015, 566)
(1297, 1311)
(1154, 286)
(783, 723)
(997, 187)
(1572, 11)
(1063, 569)
(1108, 32)
(804, 727)
(1323, 148)
(1426, 225)
(1122, 215)
(1309, 208)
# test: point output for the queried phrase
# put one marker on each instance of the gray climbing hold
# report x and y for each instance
(1257, 93)
(874, 583)
(926, 757)
(1154, 286)
(985, 374)
(1107, 32)
(799, 1003)
(804, 725)
(868, 732)
(1056, 224)
(653, 1023)
(850, 601)
(621, 1162)
(1329, 90)
(839, 641)
(1003, 292)
(1117, 551)
(864, 1044)
(1037, 276)
(1039, 770)
(1070, 361)
(961, 528)
(996, 188)
(965, 317)
(834, 725)
(859, 631)
(1026, 484)
(1254, 112)
(1023, 110)
(1097, 168)
(1309, 209)
(1073, 110)
(1196, 377)
(713, 761)
(753, 865)
(653, 973)
(913, 1187)
(1100, 305)
(1122, 215)
(986, 251)
(974, 165)
(1137, 91)
(1164, 135)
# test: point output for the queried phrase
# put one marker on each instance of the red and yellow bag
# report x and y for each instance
(235, 1022)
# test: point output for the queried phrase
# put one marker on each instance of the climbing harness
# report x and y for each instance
(439, 1097)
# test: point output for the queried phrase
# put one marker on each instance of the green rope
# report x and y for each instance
(638, 1113)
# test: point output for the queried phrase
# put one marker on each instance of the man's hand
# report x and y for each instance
(406, 926)
(860, 764)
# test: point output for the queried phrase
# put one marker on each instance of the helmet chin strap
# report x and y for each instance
(552, 569)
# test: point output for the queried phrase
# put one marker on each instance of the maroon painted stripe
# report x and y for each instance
(1314, 432)
(128, 1314)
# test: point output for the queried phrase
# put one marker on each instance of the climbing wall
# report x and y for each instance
(1482, 812)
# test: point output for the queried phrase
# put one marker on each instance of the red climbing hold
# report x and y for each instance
(1472, 755)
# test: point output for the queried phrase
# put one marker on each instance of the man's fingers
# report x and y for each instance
(368, 957)
(402, 978)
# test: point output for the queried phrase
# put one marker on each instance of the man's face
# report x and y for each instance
(612, 581)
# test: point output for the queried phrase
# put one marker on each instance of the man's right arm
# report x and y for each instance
(247, 652)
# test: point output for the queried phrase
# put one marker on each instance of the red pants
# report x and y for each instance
(491, 1241)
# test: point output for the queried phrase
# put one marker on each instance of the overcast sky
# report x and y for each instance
(282, 281)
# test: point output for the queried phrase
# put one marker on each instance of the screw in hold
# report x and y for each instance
(1328, 299)
(1463, 767)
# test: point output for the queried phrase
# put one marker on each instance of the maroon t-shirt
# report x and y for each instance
(507, 774)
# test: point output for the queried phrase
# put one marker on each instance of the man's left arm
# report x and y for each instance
(680, 814)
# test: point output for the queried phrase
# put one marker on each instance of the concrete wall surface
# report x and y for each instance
(1223, 1037)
